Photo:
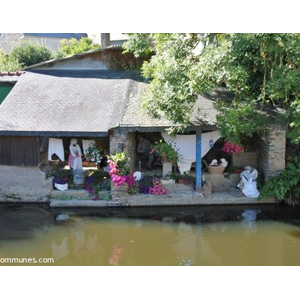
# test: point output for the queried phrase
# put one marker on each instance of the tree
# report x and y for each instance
(261, 71)
(74, 46)
(7, 63)
(29, 53)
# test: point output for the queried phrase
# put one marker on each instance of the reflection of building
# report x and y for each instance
(50, 40)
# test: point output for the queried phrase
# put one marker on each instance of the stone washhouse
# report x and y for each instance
(98, 95)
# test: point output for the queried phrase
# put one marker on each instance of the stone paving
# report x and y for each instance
(20, 184)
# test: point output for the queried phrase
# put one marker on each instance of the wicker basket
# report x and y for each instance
(215, 170)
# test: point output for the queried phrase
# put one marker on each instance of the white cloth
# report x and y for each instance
(208, 140)
(214, 162)
(86, 144)
(224, 163)
(137, 176)
(44, 144)
(250, 185)
(56, 147)
(186, 146)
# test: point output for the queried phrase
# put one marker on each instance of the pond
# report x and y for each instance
(156, 236)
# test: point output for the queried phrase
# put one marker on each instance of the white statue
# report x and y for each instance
(224, 163)
(75, 161)
(248, 183)
(214, 163)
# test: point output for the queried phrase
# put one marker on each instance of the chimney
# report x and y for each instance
(105, 40)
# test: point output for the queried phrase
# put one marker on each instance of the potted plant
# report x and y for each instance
(168, 154)
(93, 154)
(61, 181)
(166, 151)
(184, 178)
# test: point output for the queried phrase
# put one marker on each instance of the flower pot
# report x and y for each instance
(181, 181)
(61, 187)
(166, 160)
(238, 171)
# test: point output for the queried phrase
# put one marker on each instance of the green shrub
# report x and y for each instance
(286, 186)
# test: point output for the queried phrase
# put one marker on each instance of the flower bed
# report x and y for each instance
(96, 182)
(230, 148)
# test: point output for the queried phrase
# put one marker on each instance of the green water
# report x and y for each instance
(264, 235)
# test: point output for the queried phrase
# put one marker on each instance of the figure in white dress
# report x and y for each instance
(248, 183)
(75, 161)
(224, 163)
(214, 163)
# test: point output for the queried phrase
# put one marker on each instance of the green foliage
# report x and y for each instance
(93, 153)
(8, 63)
(139, 43)
(73, 46)
(166, 151)
(121, 162)
(60, 174)
(29, 53)
(171, 93)
(286, 186)
(261, 71)
(236, 121)
(188, 179)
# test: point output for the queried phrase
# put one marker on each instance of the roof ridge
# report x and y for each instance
(17, 73)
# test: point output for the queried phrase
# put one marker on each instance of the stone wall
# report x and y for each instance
(271, 154)
(117, 141)
(123, 142)
(130, 149)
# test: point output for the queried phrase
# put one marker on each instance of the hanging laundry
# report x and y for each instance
(208, 140)
(186, 146)
(44, 144)
(56, 147)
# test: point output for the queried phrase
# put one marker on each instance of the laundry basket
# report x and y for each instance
(215, 170)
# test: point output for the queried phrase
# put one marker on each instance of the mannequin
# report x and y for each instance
(75, 161)
(248, 183)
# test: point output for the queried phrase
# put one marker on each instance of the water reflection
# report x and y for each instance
(250, 215)
(262, 235)
(60, 250)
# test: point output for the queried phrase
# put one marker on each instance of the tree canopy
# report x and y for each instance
(73, 46)
(8, 64)
(29, 53)
(261, 71)
(23, 55)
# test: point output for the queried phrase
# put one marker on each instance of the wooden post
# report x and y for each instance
(198, 160)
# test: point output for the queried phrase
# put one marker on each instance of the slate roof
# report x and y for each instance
(66, 102)
(203, 113)
(83, 103)
(61, 59)
(76, 36)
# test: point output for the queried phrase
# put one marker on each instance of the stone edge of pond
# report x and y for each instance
(153, 200)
